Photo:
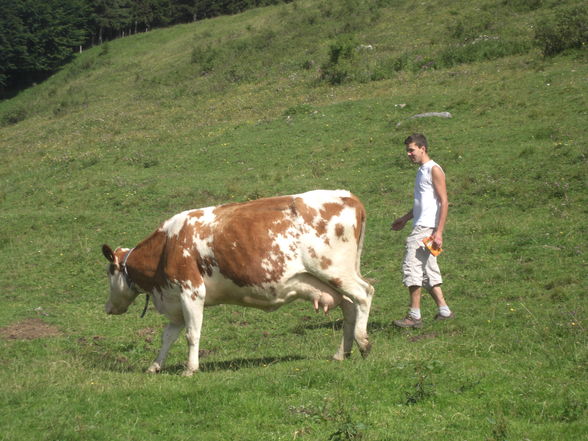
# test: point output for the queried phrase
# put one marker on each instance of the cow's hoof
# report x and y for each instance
(187, 373)
(154, 369)
(341, 357)
(365, 351)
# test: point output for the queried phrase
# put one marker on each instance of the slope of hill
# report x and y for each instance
(279, 100)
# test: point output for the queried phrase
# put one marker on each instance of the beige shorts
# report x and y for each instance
(420, 266)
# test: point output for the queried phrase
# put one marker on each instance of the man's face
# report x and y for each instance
(415, 153)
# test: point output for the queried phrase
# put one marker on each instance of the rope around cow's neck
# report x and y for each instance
(125, 269)
(146, 305)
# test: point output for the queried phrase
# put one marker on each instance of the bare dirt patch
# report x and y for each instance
(422, 337)
(147, 334)
(29, 329)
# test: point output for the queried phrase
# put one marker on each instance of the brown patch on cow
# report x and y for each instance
(336, 282)
(278, 261)
(253, 226)
(177, 266)
(307, 213)
(196, 214)
(312, 253)
(159, 259)
(360, 214)
(145, 263)
(203, 231)
(29, 329)
(321, 228)
(331, 209)
(339, 231)
(282, 226)
(325, 262)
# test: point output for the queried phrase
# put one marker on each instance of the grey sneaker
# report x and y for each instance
(443, 317)
(409, 322)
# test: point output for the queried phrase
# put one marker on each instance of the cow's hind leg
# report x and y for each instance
(349, 318)
(192, 300)
(360, 292)
(363, 313)
(170, 335)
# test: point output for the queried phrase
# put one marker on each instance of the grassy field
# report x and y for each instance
(280, 100)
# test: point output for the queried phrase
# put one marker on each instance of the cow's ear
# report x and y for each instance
(108, 253)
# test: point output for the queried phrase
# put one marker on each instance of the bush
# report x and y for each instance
(339, 67)
(342, 48)
(566, 28)
(205, 57)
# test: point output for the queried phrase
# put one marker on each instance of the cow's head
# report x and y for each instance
(122, 293)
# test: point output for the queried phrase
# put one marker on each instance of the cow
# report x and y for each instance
(263, 254)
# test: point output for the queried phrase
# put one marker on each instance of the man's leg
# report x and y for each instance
(437, 295)
(413, 318)
(415, 301)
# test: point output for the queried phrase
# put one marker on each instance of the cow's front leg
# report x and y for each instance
(193, 308)
(170, 335)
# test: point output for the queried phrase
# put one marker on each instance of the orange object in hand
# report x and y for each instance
(431, 246)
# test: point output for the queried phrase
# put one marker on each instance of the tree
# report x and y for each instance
(37, 37)
(185, 11)
(146, 14)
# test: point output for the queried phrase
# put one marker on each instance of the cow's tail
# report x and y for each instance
(361, 223)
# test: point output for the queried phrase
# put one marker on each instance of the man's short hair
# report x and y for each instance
(417, 138)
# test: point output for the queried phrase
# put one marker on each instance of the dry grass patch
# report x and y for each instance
(29, 329)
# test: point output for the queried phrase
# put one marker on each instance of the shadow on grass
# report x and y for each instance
(336, 325)
(117, 362)
(236, 364)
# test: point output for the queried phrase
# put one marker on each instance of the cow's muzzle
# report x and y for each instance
(111, 310)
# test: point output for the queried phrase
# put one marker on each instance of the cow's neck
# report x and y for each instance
(144, 262)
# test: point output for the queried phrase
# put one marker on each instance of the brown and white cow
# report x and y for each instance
(263, 253)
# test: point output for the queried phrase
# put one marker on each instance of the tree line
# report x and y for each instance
(39, 36)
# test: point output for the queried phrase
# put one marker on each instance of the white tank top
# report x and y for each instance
(426, 205)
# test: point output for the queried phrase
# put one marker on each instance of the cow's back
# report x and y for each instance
(264, 242)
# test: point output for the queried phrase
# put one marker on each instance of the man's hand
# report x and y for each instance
(437, 239)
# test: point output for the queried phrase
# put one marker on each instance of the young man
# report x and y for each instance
(429, 213)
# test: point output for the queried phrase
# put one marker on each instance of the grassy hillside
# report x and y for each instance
(280, 100)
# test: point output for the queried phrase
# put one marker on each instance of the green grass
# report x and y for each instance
(136, 131)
